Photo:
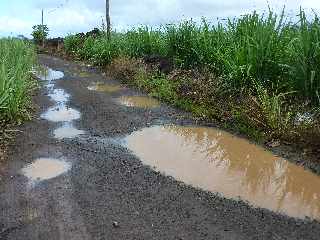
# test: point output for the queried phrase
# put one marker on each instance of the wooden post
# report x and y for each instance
(108, 19)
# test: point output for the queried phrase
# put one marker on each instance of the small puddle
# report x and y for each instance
(220, 162)
(139, 101)
(59, 96)
(67, 131)
(45, 168)
(61, 114)
(103, 87)
(48, 74)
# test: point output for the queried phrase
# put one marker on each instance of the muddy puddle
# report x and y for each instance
(139, 101)
(220, 162)
(67, 131)
(104, 87)
(45, 168)
(83, 74)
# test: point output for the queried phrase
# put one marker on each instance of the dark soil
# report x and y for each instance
(108, 193)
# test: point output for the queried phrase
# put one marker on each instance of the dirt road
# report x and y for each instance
(105, 191)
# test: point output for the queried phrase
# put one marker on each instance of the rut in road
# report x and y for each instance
(99, 189)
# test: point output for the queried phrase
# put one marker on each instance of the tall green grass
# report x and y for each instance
(16, 61)
(144, 41)
(279, 55)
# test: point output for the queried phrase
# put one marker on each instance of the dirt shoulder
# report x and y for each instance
(108, 184)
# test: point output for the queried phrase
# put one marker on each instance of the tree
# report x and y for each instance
(40, 33)
(108, 19)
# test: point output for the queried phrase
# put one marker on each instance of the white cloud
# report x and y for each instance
(12, 25)
(82, 15)
(72, 20)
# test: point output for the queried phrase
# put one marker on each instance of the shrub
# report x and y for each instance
(40, 33)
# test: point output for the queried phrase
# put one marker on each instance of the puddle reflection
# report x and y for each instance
(61, 114)
(220, 162)
(48, 74)
(67, 131)
(45, 168)
(59, 95)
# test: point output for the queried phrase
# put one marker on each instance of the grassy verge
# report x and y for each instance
(258, 114)
(16, 83)
(258, 74)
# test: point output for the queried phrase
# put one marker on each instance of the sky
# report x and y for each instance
(70, 16)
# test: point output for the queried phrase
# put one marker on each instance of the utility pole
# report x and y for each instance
(42, 17)
(108, 19)
(42, 27)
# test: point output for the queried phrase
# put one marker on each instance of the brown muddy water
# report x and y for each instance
(103, 87)
(139, 101)
(45, 168)
(219, 162)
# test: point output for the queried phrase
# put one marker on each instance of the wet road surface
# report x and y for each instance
(73, 172)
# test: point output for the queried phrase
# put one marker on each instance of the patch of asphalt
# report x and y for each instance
(109, 193)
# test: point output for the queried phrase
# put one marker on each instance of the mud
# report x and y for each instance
(107, 183)
(217, 161)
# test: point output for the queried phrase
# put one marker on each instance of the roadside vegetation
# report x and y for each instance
(16, 83)
(259, 74)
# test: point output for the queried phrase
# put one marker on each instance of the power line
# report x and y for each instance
(58, 7)
(53, 10)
